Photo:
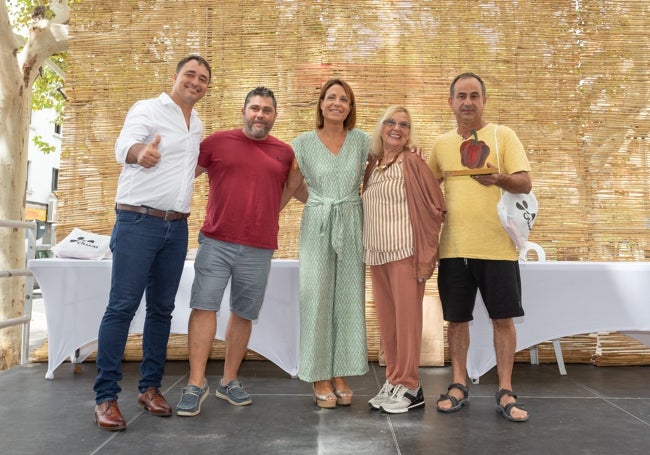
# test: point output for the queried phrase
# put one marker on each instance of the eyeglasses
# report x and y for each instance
(402, 125)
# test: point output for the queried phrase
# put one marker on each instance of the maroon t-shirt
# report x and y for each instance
(246, 181)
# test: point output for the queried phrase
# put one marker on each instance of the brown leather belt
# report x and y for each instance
(168, 215)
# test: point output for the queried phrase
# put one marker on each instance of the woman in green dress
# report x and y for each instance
(332, 159)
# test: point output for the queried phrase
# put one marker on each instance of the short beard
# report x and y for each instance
(256, 134)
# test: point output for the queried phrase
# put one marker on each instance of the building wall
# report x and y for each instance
(41, 201)
(41, 165)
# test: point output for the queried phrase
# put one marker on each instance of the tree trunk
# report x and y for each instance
(14, 104)
(18, 69)
(13, 182)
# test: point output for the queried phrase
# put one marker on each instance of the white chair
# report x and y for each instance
(534, 357)
(532, 246)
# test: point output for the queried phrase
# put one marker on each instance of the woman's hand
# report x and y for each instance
(418, 151)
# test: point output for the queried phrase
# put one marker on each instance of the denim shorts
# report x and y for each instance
(246, 267)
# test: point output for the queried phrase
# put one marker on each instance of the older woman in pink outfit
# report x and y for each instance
(403, 210)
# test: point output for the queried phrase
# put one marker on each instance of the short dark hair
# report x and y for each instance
(196, 57)
(261, 91)
(466, 75)
(351, 119)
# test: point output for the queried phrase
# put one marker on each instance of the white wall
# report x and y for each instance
(40, 204)
(39, 182)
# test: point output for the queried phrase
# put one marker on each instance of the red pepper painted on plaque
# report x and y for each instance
(473, 152)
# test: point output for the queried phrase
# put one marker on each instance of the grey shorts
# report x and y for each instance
(219, 262)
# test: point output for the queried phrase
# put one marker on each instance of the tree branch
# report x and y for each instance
(8, 49)
(61, 12)
(45, 39)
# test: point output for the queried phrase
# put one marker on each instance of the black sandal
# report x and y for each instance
(507, 409)
(456, 404)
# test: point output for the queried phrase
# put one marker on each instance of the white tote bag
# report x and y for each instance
(81, 244)
(517, 212)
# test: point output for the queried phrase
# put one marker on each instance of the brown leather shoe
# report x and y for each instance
(154, 402)
(108, 416)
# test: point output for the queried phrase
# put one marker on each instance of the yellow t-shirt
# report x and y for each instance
(472, 228)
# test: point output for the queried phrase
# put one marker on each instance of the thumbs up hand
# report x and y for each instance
(149, 155)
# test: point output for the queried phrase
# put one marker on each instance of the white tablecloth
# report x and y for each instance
(75, 295)
(569, 298)
(559, 298)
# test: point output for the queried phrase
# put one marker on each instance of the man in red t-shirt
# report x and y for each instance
(247, 169)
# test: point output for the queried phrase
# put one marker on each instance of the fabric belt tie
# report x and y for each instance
(333, 216)
(167, 215)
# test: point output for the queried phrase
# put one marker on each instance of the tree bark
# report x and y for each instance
(18, 70)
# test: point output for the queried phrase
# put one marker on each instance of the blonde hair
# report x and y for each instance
(376, 141)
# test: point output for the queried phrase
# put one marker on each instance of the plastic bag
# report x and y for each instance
(517, 213)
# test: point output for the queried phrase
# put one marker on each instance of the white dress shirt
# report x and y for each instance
(167, 185)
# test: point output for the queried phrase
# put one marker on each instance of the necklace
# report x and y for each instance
(382, 168)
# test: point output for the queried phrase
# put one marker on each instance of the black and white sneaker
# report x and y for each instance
(383, 395)
(403, 399)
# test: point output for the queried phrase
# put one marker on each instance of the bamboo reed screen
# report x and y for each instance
(570, 77)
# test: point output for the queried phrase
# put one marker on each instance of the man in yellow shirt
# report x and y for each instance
(476, 253)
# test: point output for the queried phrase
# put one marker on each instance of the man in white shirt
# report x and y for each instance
(159, 147)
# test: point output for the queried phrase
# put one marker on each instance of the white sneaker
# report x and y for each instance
(403, 399)
(384, 393)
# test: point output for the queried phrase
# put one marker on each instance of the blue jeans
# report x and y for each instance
(148, 257)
